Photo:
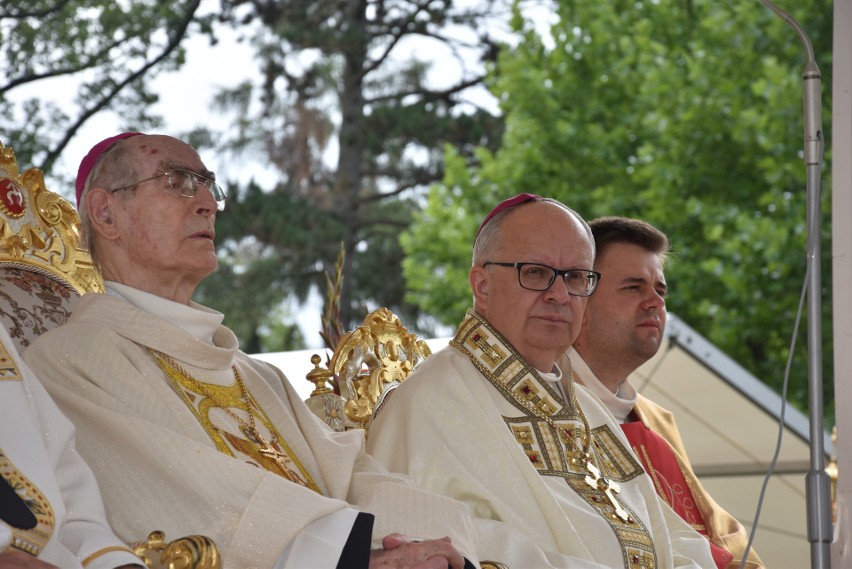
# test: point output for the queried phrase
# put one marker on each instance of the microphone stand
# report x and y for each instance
(818, 484)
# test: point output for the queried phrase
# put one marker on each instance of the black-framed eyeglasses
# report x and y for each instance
(535, 276)
(185, 183)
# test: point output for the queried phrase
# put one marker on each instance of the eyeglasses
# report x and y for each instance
(185, 183)
(533, 276)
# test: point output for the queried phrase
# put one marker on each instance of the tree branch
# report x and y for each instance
(429, 95)
(402, 30)
(61, 71)
(104, 101)
(36, 14)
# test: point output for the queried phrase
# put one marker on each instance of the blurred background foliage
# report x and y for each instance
(685, 113)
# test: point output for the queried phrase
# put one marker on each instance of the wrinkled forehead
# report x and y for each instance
(155, 152)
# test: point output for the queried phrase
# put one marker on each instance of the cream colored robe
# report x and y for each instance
(724, 529)
(444, 426)
(158, 468)
(37, 446)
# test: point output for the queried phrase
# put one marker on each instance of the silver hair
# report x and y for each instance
(114, 169)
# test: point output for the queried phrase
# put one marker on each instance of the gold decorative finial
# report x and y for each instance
(371, 360)
(319, 376)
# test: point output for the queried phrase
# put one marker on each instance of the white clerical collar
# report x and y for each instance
(620, 403)
(197, 320)
(554, 378)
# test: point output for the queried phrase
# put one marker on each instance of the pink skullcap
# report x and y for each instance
(506, 204)
(92, 157)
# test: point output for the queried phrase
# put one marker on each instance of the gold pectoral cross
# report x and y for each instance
(269, 452)
(609, 489)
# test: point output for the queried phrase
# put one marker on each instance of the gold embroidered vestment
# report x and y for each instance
(555, 436)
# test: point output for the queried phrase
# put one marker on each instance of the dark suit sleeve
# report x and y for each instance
(356, 552)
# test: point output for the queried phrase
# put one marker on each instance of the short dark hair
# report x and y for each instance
(613, 229)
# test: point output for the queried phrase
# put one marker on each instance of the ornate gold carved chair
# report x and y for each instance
(44, 267)
(367, 364)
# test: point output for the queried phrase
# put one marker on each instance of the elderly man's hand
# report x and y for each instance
(14, 559)
(400, 551)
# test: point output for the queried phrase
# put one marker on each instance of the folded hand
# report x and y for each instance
(401, 552)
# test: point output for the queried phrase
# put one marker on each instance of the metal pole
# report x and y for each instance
(817, 482)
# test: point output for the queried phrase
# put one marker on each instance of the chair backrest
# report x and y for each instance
(43, 263)
(367, 364)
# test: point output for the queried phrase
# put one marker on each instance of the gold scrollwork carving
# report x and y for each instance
(40, 229)
(371, 359)
(191, 552)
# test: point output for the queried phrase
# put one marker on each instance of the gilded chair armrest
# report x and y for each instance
(191, 552)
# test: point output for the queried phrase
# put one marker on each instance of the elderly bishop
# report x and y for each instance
(491, 420)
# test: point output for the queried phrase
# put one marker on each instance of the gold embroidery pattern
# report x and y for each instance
(541, 447)
(631, 534)
(615, 461)
(527, 389)
(548, 433)
(33, 540)
(8, 369)
(272, 454)
(640, 558)
(490, 354)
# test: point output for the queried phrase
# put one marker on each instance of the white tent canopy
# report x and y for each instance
(729, 423)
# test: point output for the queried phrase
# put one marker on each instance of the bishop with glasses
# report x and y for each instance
(491, 420)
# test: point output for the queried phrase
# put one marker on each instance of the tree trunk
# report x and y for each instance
(350, 168)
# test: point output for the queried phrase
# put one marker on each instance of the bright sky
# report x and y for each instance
(185, 95)
(185, 98)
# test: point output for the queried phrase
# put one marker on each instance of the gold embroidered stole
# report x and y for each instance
(270, 452)
(551, 433)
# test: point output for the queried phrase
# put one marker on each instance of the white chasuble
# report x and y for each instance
(550, 482)
(169, 443)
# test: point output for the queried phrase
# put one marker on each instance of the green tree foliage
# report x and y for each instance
(334, 81)
(686, 114)
(336, 78)
(104, 51)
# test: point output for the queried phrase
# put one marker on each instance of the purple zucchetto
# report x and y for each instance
(92, 157)
(506, 204)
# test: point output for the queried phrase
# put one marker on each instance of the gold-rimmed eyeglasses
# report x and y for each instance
(185, 183)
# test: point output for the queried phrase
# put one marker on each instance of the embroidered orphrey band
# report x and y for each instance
(552, 434)
(271, 453)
